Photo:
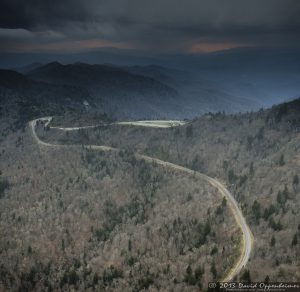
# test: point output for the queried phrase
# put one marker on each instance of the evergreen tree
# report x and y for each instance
(246, 276)
(281, 160)
(251, 171)
(295, 180)
(213, 270)
(129, 245)
(273, 241)
(224, 202)
(295, 240)
(95, 279)
(256, 210)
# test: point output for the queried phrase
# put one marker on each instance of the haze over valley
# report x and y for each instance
(149, 146)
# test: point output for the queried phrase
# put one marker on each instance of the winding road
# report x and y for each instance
(150, 124)
(247, 238)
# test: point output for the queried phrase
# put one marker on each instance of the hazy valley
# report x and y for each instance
(74, 217)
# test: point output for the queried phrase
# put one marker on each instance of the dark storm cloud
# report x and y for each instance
(156, 24)
(30, 14)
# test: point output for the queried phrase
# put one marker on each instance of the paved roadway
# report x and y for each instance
(247, 238)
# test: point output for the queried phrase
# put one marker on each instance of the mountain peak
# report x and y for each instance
(53, 64)
(11, 79)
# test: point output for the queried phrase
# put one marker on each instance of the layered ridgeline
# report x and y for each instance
(23, 99)
(256, 154)
(122, 92)
(89, 220)
(201, 93)
(119, 92)
(157, 92)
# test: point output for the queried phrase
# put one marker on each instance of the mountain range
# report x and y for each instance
(124, 92)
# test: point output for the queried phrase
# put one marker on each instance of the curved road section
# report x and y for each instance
(150, 124)
(247, 238)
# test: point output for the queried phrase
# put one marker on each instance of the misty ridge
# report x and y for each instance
(146, 177)
(239, 80)
(149, 145)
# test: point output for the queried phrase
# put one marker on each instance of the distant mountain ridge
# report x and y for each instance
(27, 68)
(263, 75)
(127, 92)
(202, 94)
(123, 93)
(23, 99)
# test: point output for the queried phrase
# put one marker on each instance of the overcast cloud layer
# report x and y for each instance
(163, 26)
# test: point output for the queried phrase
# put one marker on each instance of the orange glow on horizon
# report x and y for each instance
(210, 47)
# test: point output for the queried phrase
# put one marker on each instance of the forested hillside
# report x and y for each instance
(256, 154)
(89, 220)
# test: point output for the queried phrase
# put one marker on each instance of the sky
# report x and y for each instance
(156, 26)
